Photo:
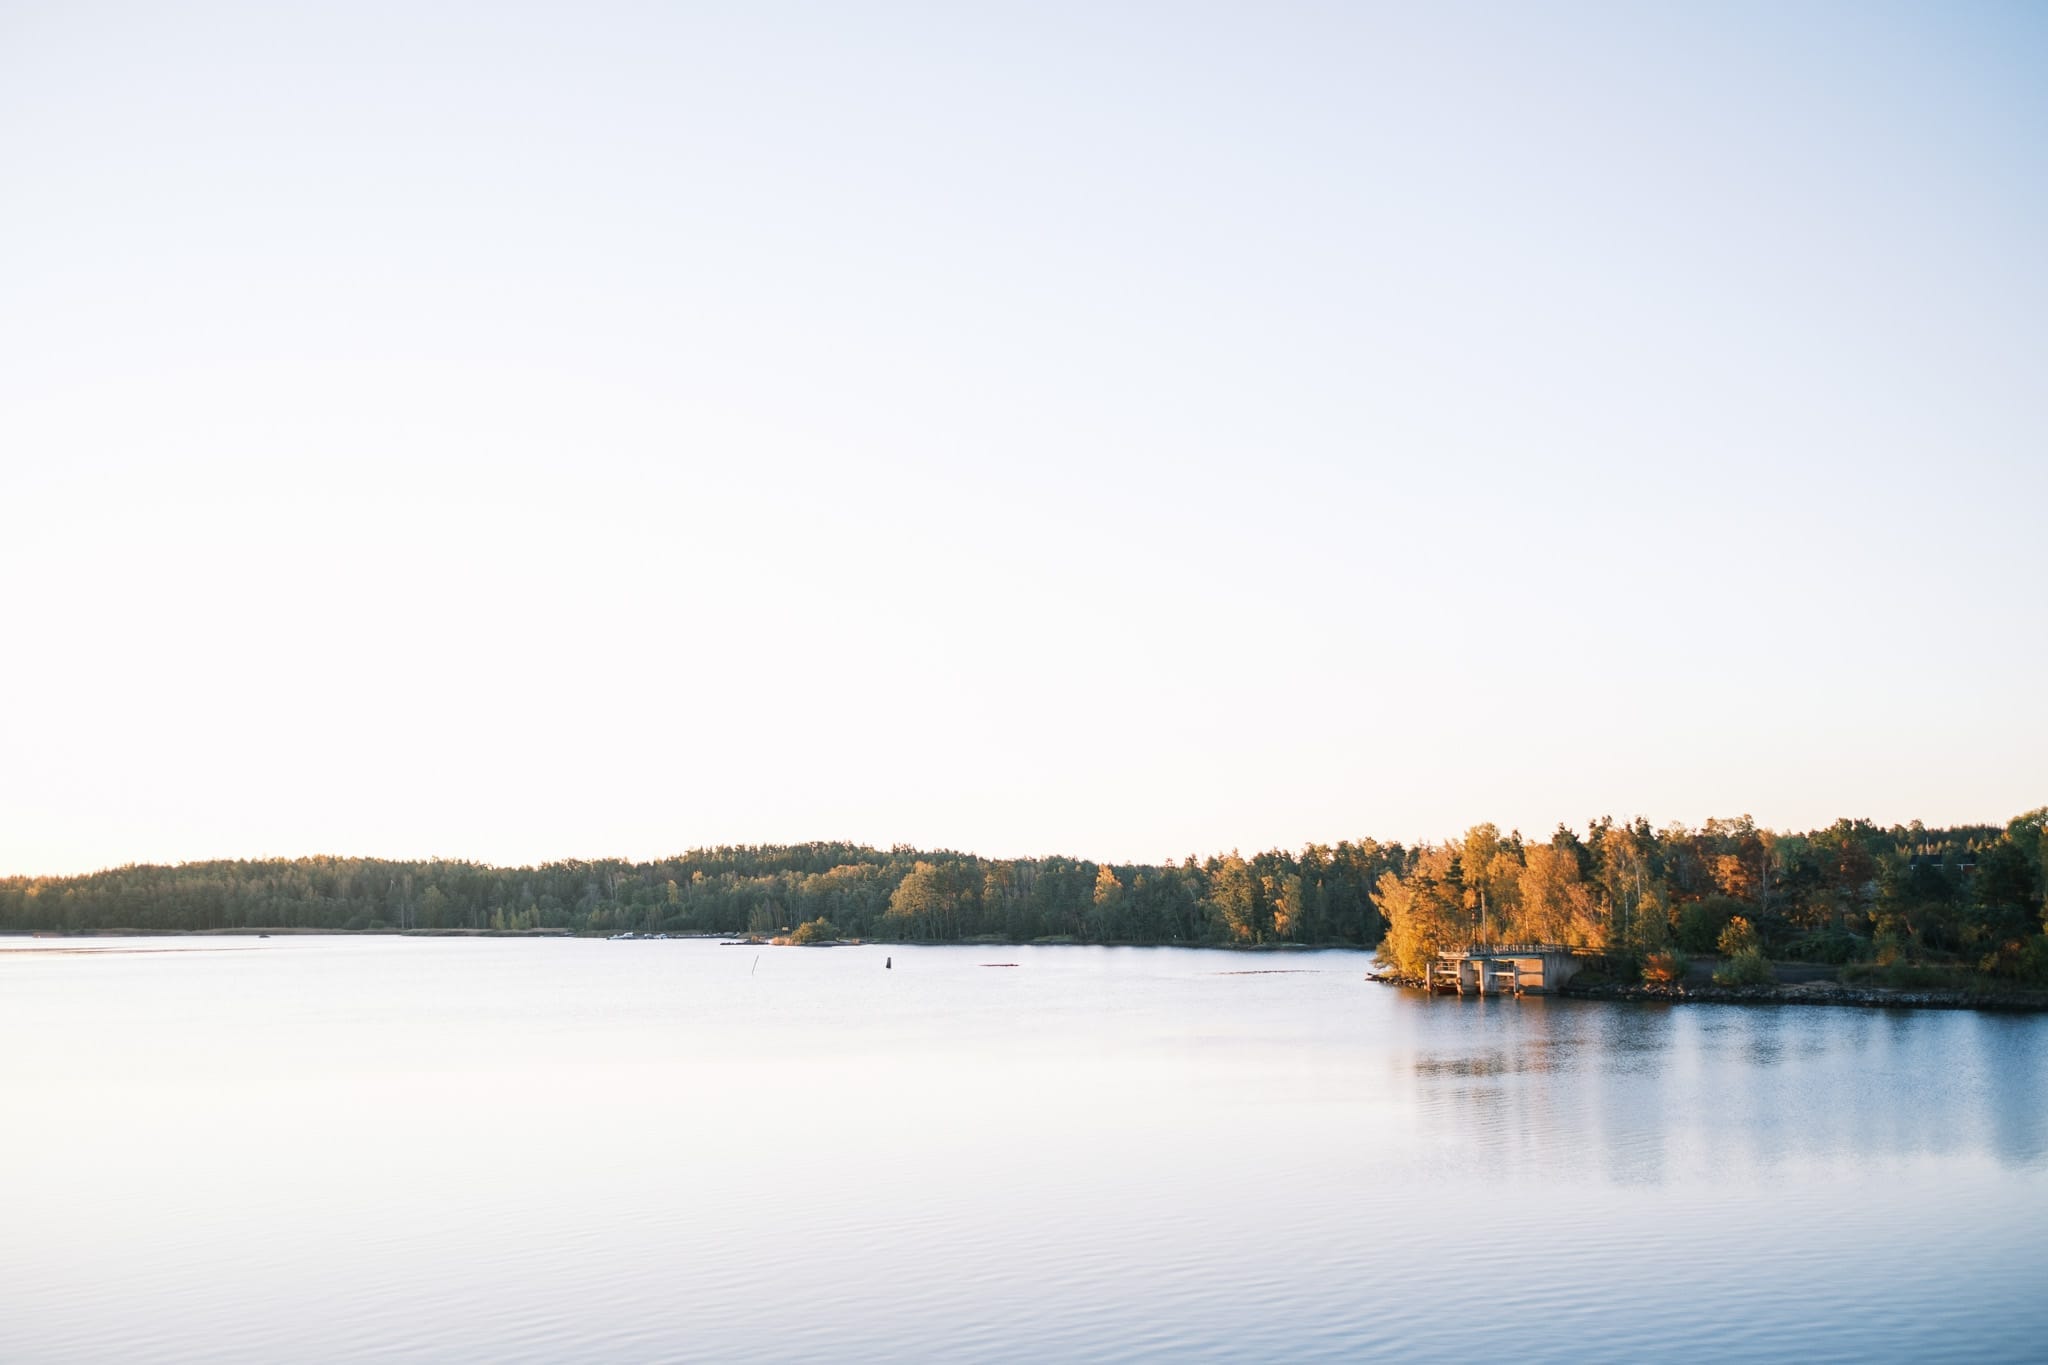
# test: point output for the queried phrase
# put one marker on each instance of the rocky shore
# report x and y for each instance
(1816, 993)
(1801, 993)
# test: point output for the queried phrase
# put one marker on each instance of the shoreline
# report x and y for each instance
(723, 936)
(1826, 993)
(295, 931)
(1830, 993)
(1991, 999)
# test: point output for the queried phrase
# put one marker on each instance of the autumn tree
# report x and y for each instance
(926, 903)
(1492, 871)
(1425, 910)
(1105, 919)
(1285, 894)
(1234, 898)
(1556, 905)
(1636, 902)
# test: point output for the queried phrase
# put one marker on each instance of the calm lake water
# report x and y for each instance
(318, 1149)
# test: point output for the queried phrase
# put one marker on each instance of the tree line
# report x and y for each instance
(1969, 896)
(1320, 895)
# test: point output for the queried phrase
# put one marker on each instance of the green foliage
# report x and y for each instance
(1235, 900)
(1835, 946)
(816, 931)
(1747, 968)
(2007, 878)
(2033, 962)
(1700, 922)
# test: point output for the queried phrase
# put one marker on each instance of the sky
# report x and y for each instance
(517, 432)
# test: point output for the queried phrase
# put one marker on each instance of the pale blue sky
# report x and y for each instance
(515, 432)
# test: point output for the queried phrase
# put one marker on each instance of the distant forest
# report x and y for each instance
(1969, 897)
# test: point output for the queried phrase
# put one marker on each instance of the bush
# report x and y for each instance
(1739, 938)
(1891, 942)
(1747, 968)
(1664, 969)
(819, 930)
(2018, 959)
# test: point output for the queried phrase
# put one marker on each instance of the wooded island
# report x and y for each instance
(1899, 904)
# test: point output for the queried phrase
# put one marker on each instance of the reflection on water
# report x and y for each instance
(1544, 1084)
(509, 1150)
(2013, 1082)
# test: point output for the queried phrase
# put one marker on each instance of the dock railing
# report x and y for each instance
(1508, 950)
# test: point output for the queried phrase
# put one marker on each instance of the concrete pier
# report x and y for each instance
(1503, 969)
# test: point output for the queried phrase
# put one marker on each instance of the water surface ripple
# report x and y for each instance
(334, 1149)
